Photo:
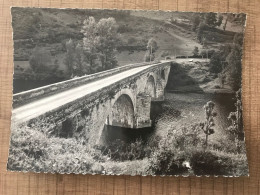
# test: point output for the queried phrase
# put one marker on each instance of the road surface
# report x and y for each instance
(43, 105)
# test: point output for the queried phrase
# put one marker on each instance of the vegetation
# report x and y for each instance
(40, 60)
(227, 62)
(207, 126)
(180, 151)
(235, 130)
(211, 19)
(151, 49)
(196, 18)
(100, 42)
(195, 51)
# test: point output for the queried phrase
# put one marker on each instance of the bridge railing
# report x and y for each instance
(26, 96)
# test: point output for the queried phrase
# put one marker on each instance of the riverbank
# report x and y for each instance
(194, 76)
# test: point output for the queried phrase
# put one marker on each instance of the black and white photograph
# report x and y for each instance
(127, 92)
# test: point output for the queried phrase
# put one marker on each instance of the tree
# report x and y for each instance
(195, 22)
(222, 79)
(215, 65)
(235, 130)
(228, 17)
(200, 31)
(209, 123)
(108, 37)
(40, 60)
(90, 43)
(151, 49)
(234, 66)
(79, 61)
(211, 19)
(69, 59)
(220, 19)
(195, 51)
(218, 59)
(236, 127)
(100, 41)
(238, 39)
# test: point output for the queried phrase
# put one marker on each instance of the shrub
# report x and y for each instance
(32, 150)
(165, 54)
(131, 40)
(119, 150)
(212, 163)
(40, 60)
(205, 163)
(166, 160)
(208, 125)
(173, 150)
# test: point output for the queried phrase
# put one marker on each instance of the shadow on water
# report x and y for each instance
(129, 135)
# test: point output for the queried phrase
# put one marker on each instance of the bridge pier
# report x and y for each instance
(143, 109)
(159, 91)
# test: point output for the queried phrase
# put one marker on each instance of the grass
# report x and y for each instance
(32, 150)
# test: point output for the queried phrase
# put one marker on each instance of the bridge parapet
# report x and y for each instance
(123, 103)
(27, 96)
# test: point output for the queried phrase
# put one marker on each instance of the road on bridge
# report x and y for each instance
(46, 104)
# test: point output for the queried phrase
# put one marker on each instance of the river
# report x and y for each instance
(178, 109)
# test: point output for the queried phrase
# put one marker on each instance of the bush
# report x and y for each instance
(40, 60)
(165, 54)
(119, 150)
(211, 163)
(131, 40)
(32, 150)
(205, 163)
(172, 151)
(166, 159)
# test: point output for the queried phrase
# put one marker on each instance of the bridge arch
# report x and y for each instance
(122, 112)
(150, 87)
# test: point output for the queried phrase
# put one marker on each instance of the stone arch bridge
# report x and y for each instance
(81, 107)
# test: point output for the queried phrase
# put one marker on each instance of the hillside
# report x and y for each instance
(51, 28)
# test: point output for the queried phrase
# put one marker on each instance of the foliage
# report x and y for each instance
(202, 27)
(222, 79)
(119, 150)
(166, 159)
(238, 39)
(207, 53)
(70, 56)
(40, 60)
(100, 41)
(165, 54)
(195, 51)
(207, 126)
(211, 19)
(217, 163)
(236, 128)
(151, 49)
(234, 68)
(218, 59)
(220, 20)
(196, 19)
(32, 150)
